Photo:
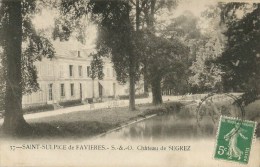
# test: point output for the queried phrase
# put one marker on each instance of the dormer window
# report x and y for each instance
(79, 53)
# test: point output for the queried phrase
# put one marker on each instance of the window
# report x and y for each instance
(62, 90)
(80, 71)
(80, 90)
(88, 71)
(78, 53)
(72, 89)
(50, 92)
(71, 70)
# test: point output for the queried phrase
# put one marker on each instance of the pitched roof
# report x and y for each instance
(69, 49)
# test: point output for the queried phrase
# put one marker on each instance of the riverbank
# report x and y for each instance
(89, 123)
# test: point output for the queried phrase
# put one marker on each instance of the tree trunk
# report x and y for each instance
(131, 88)
(146, 91)
(156, 90)
(138, 12)
(131, 78)
(14, 123)
(132, 65)
(151, 17)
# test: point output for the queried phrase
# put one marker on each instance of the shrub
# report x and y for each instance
(70, 103)
(38, 108)
(139, 96)
(89, 100)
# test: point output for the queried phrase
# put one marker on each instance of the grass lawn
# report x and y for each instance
(84, 124)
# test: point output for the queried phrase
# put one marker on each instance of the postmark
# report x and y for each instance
(234, 139)
(215, 105)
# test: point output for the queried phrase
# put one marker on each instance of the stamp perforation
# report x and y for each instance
(252, 141)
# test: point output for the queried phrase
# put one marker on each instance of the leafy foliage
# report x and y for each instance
(241, 60)
(164, 58)
(113, 30)
(185, 29)
(205, 47)
(35, 46)
(161, 54)
(96, 67)
(116, 33)
(206, 75)
(72, 19)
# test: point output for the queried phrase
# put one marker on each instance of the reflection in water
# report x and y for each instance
(166, 126)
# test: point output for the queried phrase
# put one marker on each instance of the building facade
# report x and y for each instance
(66, 77)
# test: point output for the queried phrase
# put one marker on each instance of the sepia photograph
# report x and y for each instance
(131, 83)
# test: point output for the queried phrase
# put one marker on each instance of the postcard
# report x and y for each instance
(129, 83)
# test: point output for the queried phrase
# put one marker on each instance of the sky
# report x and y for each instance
(194, 6)
(45, 20)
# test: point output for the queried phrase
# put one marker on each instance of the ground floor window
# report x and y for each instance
(80, 71)
(72, 89)
(62, 90)
(80, 90)
(50, 92)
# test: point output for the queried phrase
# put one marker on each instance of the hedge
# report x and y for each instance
(139, 96)
(38, 108)
(70, 103)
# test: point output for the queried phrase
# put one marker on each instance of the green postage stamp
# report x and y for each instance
(234, 139)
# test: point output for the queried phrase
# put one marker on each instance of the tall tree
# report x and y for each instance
(206, 75)
(115, 32)
(205, 44)
(146, 11)
(185, 28)
(241, 60)
(163, 57)
(96, 69)
(12, 27)
(17, 59)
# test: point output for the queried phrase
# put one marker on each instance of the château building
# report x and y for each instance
(66, 77)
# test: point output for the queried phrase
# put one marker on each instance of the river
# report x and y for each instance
(172, 130)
